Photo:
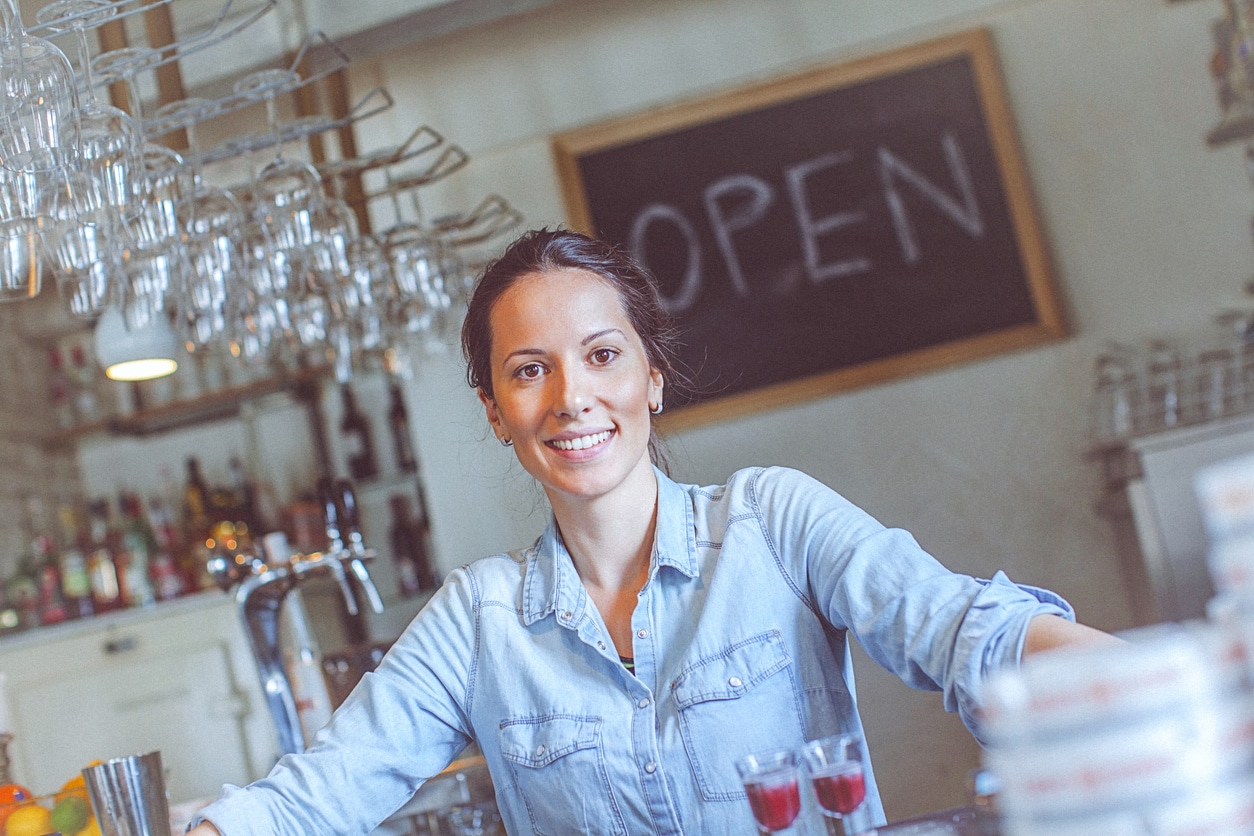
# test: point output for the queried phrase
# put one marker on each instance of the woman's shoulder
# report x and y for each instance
(772, 492)
(749, 483)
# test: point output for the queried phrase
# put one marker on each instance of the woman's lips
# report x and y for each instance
(582, 442)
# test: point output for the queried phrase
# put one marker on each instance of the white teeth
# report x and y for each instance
(581, 443)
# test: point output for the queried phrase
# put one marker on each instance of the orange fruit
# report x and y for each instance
(92, 828)
(10, 797)
(28, 820)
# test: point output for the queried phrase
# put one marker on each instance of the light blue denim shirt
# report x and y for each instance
(739, 639)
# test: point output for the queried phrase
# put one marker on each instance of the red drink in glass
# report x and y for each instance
(840, 788)
(775, 798)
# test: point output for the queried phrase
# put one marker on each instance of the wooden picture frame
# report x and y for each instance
(829, 230)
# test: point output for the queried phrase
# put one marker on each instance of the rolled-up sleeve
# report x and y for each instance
(402, 724)
(935, 629)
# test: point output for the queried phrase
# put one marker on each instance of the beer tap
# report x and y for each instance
(335, 548)
(262, 582)
(358, 553)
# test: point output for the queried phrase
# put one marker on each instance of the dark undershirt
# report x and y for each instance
(629, 663)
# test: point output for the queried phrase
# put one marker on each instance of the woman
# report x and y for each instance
(613, 672)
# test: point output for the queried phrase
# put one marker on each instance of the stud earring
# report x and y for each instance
(506, 442)
(656, 409)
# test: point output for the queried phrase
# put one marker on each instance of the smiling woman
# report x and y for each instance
(614, 672)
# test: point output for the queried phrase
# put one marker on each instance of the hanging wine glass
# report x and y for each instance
(211, 219)
(110, 144)
(166, 184)
(79, 234)
(38, 100)
(21, 259)
(285, 192)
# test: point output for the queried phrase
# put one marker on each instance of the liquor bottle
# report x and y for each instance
(303, 661)
(244, 498)
(359, 446)
(59, 390)
(86, 399)
(102, 572)
(52, 609)
(163, 571)
(22, 590)
(140, 545)
(408, 538)
(75, 583)
(196, 504)
(398, 423)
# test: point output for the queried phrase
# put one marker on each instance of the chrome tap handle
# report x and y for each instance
(259, 598)
(350, 521)
(331, 511)
(358, 567)
(336, 564)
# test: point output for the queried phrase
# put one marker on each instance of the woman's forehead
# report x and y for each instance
(539, 299)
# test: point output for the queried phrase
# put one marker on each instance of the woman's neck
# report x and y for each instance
(610, 537)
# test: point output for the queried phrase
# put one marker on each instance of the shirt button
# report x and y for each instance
(650, 767)
(644, 702)
(540, 751)
(601, 645)
(735, 682)
(566, 616)
(642, 634)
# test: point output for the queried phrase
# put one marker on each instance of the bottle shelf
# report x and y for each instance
(212, 406)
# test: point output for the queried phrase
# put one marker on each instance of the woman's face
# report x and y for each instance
(571, 383)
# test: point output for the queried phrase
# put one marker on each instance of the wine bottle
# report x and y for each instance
(359, 446)
(398, 423)
(140, 545)
(409, 538)
(52, 609)
(75, 583)
(102, 572)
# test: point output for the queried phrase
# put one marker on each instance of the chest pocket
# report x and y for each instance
(734, 703)
(558, 765)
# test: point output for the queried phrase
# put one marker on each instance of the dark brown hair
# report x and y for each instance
(543, 250)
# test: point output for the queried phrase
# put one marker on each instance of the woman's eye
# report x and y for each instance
(529, 372)
(603, 355)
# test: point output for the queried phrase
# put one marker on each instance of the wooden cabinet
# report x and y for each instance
(178, 677)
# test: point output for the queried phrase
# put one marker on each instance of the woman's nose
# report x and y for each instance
(573, 395)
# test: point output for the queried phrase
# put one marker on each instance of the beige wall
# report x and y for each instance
(985, 463)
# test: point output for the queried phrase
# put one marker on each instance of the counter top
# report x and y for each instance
(112, 620)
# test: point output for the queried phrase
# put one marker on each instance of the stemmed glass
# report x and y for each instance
(38, 100)
(110, 143)
(770, 780)
(836, 773)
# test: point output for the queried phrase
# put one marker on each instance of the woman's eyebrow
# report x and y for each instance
(599, 334)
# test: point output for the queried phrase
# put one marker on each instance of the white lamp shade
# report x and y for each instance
(139, 354)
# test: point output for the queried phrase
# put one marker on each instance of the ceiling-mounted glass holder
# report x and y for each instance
(127, 62)
(421, 141)
(491, 218)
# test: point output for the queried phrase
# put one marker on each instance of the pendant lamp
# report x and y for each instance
(135, 354)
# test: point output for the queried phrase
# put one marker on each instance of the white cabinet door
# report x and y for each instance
(180, 680)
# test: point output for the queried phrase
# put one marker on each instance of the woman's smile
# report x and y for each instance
(571, 384)
(581, 443)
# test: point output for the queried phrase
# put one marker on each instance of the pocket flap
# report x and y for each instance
(729, 674)
(538, 741)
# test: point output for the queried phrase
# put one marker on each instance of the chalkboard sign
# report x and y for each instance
(828, 230)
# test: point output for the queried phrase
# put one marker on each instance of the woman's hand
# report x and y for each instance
(1048, 632)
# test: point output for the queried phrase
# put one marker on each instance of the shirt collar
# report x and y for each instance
(552, 585)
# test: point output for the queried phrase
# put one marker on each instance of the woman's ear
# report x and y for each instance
(489, 407)
(656, 386)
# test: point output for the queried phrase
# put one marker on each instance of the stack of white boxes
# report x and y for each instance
(1151, 738)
